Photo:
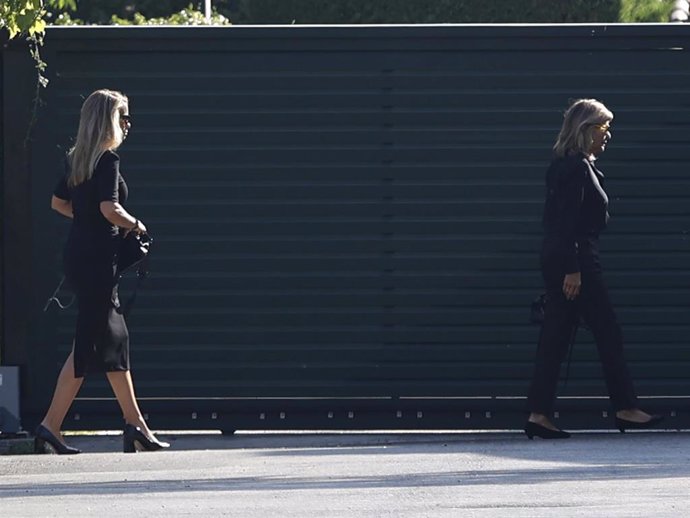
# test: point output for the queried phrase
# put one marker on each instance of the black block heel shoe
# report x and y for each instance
(624, 424)
(135, 440)
(533, 430)
(43, 437)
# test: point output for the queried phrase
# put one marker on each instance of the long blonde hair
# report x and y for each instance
(579, 122)
(99, 131)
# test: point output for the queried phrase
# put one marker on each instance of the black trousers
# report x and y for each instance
(560, 320)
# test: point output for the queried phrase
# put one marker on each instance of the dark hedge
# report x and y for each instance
(424, 11)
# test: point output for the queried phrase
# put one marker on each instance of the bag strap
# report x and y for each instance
(142, 273)
(570, 355)
(537, 317)
(54, 298)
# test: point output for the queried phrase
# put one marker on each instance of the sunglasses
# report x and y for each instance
(126, 119)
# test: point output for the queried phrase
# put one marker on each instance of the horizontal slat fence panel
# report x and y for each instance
(353, 214)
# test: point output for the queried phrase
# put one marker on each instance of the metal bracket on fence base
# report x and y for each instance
(9, 400)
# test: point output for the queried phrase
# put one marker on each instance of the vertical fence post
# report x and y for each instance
(207, 10)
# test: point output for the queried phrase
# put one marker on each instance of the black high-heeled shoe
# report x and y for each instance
(624, 424)
(533, 430)
(43, 436)
(135, 440)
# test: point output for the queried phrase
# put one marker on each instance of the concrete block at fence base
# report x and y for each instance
(9, 400)
(18, 446)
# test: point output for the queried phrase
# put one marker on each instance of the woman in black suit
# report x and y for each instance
(575, 212)
(92, 194)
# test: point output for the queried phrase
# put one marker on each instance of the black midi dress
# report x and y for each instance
(101, 342)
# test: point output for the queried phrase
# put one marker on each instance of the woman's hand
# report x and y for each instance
(138, 228)
(571, 285)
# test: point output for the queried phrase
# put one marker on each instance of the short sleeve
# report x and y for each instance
(107, 177)
(61, 190)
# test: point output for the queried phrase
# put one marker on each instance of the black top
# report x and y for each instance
(106, 184)
(575, 210)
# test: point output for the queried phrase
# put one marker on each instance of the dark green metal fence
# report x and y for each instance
(347, 219)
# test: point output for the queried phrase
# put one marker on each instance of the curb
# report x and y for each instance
(20, 446)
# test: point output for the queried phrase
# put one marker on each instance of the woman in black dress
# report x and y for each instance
(92, 194)
(575, 212)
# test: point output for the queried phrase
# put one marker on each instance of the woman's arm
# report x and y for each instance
(64, 207)
(572, 185)
(117, 215)
(573, 197)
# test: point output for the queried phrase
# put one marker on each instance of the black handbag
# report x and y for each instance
(536, 316)
(536, 313)
(133, 251)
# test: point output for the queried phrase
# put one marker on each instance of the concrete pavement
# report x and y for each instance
(306, 475)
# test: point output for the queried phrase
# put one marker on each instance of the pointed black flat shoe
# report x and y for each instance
(135, 440)
(533, 430)
(624, 424)
(43, 436)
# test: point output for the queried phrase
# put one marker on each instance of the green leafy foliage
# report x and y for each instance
(424, 11)
(446, 11)
(63, 19)
(646, 10)
(188, 16)
(27, 17)
(134, 12)
(21, 16)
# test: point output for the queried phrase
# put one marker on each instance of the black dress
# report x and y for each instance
(101, 342)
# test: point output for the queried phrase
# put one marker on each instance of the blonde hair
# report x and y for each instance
(579, 122)
(99, 131)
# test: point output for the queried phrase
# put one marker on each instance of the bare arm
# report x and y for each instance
(117, 215)
(64, 207)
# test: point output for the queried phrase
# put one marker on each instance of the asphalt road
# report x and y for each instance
(358, 475)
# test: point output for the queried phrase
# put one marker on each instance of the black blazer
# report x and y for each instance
(575, 211)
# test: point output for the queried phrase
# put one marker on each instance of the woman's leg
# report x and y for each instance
(123, 387)
(560, 319)
(66, 390)
(599, 315)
